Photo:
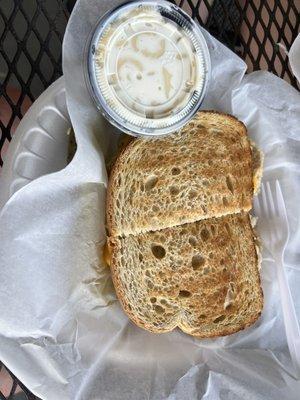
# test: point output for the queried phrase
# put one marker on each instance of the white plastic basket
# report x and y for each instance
(40, 144)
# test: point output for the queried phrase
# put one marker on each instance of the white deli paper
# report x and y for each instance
(62, 331)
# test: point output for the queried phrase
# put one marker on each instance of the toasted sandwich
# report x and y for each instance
(183, 252)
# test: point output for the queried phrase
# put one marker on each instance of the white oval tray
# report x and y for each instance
(40, 143)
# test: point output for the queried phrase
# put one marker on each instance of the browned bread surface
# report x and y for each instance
(203, 171)
(201, 277)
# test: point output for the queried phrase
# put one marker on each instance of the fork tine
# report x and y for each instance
(274, 233)
(263, 201)
(270, 200)
(280, 201)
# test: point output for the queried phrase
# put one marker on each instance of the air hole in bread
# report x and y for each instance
(133, 188)
(204, 234)
(224, 269)
(219, 319)
(204, 209)
(163, 301)
(227, 227)
(141, 257)
(202, 316)
(213, 229)
(206, 270)
(229, 183)
(197, 261)
(155, 208)
(205, 182)
(159, 309)
(225, 201)
(176, 171)
(160, 157)
(210, 163)
(150, 284)
(193, 241)
(147, 273)
(243, 199)
(151, 182)
(217, 131)
(222, 261)
(153, 300)
(161, 274)
(158, 251)
(184, 293)
(174, 190)
(182, 232)
(231, 286)
(211, 255)
(192, 194)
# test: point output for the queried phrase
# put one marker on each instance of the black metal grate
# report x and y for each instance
(11, 388)
(31, 33)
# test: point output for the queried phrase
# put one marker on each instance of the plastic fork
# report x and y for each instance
(270, 207)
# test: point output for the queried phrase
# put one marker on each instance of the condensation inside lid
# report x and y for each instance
(148, 67)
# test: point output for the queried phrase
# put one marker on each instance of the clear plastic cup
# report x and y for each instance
(148, 67)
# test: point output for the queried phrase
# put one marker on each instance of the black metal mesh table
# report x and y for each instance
(31, 33)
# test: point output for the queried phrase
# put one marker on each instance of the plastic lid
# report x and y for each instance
(148, 67)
